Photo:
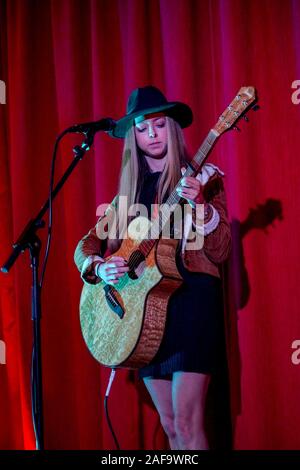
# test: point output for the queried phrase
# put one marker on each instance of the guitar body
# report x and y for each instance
(123, 325)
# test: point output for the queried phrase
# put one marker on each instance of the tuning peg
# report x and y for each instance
(246, 118)
(235, 128)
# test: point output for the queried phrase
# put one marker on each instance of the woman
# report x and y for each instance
(154, 159)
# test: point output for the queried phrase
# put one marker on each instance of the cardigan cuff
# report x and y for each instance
(211, 225)
(87, 272)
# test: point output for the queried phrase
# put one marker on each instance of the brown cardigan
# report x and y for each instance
(208, 259)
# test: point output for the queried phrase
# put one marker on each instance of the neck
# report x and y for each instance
(156, 164)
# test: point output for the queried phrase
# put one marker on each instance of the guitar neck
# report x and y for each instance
(165, 210)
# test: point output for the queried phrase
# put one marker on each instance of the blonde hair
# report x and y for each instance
(134, 167)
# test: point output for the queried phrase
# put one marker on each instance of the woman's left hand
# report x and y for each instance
(190, 189)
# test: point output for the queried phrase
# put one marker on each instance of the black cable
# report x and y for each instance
(111, 378)
(52, 172)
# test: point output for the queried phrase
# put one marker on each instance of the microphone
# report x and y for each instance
(106, 124)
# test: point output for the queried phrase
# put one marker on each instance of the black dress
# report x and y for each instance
(194, 327)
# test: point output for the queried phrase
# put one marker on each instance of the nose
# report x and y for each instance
(151, 132)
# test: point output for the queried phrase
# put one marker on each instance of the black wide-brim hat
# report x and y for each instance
(148, 100)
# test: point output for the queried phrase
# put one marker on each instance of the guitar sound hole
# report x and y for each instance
(135, 263)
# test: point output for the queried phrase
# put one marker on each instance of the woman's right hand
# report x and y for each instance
(112, 270)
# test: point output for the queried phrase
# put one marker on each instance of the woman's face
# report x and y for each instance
(151, 136)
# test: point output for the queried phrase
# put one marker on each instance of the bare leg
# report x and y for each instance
(161, 394)
(189, 392)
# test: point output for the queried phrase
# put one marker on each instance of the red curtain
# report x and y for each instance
(68, 61)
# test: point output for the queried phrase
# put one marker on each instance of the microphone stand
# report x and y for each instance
(30, 240)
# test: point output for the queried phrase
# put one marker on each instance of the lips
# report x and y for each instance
(154, 143)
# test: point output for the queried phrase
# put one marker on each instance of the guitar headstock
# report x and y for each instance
(237, 108)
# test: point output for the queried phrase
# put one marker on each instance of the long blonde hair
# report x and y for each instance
(134, 167)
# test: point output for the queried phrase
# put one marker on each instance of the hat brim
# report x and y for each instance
(180, 112)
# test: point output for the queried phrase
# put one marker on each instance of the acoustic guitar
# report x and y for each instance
(123, 324)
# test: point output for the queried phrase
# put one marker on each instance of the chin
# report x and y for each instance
(157, 153)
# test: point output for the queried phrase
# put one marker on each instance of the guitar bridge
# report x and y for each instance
(113, 302)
